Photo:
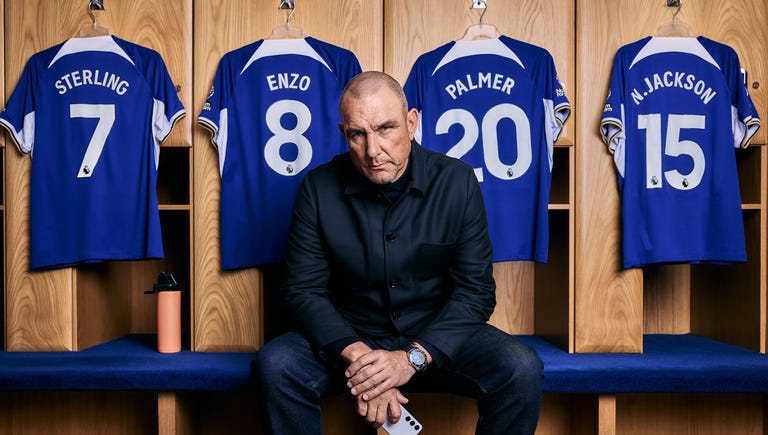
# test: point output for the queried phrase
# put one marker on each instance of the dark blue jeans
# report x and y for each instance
(502, 373)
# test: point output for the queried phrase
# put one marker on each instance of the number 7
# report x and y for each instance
(106, 116)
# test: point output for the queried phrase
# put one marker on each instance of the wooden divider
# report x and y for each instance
(227, 306)
(59, 309)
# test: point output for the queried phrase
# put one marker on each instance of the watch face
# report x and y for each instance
(417, 357)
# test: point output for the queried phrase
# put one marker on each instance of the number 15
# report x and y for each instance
(674, 147)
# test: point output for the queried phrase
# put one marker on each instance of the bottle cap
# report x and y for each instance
(165, 282)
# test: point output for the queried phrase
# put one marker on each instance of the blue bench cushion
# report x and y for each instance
(669, 363)
(128, 363)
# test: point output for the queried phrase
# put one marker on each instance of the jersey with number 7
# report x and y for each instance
(676, 109)
(92, 113)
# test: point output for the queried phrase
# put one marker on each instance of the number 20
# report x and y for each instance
(674, 147)
(490, 140)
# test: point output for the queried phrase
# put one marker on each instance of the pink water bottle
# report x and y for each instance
(168, 313)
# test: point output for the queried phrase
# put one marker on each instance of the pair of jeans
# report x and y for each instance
(499, 371)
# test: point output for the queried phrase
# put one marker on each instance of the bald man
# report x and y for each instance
(390, 285)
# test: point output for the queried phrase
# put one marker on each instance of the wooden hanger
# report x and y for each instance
(675, 28)
(91, 30)
(480, 30)
(287, 31)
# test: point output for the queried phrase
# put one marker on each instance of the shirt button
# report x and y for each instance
(394, 283)
(395, 316)
(390, 237)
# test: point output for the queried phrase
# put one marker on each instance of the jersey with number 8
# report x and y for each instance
(497, 105)
(273, 114)
(92, 113)
(676, 109)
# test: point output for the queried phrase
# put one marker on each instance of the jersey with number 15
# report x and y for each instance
(273, 114)
(92, 113)
(497, 105)
(676, 109)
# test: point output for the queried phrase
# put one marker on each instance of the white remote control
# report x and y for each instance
(407, 425)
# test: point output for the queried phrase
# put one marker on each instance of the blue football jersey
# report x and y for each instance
(497, 105)
(676, 110)
(92, 112)
(273, 114)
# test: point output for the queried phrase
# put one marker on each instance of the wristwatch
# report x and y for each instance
(416, 357)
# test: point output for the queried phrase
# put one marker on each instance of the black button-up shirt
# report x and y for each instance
(420, 266)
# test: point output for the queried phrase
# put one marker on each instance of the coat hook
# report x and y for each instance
(675, 4)
(480, 4)
(95, 5)
(288, 4)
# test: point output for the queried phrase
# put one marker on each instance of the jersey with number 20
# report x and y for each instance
(676, 109)
(273, 114)
(497, 105)
(92, 113)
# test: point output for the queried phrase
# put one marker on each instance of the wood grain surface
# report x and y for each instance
(227, 306)
(41, 307)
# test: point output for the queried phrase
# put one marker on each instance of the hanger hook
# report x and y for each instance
(674, 17)
(93, 17)
(679, 5)
(288, 4)
(480, 4)
(288, 20)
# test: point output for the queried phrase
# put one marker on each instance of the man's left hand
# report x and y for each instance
(378, 371)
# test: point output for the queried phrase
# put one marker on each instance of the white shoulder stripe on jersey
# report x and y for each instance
(275, 47)
(481, 46)
(96, 43)
(659, 44)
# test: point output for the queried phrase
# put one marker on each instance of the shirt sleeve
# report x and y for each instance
(612, 122)
(558, 106)
(745, 119)
(305, 286)
(211, 115)
(167, 105)
(413, 89)
(19, 114)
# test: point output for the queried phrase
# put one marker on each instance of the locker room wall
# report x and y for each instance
(581, 300)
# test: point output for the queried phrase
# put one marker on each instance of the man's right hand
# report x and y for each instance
(375, 411)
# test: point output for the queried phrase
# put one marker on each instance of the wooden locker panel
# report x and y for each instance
(78, 412)
(413, 28)
(689, 414)
(608, 299)
(43, 307)
(227, 306)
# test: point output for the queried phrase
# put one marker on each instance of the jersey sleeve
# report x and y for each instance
(558, 106)
(612, 122)
(211, 117)
(167, 105)
(745, 119)
(413, 87)
(414, 91)
(351, 68)
(19, 114)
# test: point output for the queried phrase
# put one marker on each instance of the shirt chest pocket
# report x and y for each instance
(432, 260)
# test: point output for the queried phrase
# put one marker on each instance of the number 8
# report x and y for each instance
(281, 136)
